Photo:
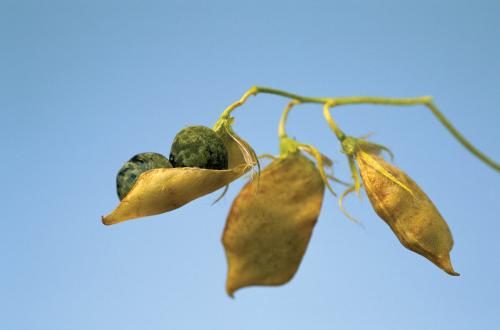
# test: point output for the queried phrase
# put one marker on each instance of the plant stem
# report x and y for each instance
(337, 101)
(345, 100)
(442, 119)
(326, 112)
(284, 117)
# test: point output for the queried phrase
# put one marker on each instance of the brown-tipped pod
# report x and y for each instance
(270, 223)
(409, 212)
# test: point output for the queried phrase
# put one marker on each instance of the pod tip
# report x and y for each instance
(444, 262)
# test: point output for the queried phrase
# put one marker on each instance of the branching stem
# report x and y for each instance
(338, 101)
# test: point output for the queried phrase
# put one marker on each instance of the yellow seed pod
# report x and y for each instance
(165, 189)
(412, 216)
(270, 223)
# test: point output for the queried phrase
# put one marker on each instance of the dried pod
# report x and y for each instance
(270, 223)
(412, 216)
(165, 189)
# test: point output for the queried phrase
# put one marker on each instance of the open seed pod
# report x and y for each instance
(412, 216)
(164, 189)
(270, 223)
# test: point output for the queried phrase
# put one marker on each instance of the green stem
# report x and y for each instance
(345, 100)
(337, 101)
(287, 145)
(460, 137)
(284, 117)
(338, 132)
(302, 99)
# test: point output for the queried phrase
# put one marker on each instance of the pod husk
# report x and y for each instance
(413, 217)
(270, 223)
(165, 189)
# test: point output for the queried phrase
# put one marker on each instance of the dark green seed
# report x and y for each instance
(138, 164)
(198, 146)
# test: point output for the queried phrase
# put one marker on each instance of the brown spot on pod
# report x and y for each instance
(270, 223)
(407, 210)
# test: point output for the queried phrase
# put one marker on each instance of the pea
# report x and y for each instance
(198, 146)
(130, 171)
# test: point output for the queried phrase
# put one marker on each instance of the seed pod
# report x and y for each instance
(270, 223)
(165, 189)
(412, 216)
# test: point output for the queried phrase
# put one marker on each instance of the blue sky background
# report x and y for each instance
(84, 85)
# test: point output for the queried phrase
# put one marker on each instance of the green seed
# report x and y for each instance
(198, 146)
(129, 173)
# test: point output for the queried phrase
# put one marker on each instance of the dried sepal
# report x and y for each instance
(412, 216)
(342, 208)
(375, 164)
(268, 156)
(269, 225)
(374, 148)
(352, 145)
(239, 151)
(322, 162)
(223, 193)
(354, 174)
